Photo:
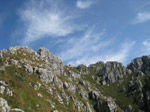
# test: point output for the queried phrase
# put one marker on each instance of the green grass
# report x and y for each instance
(25, 97)
(1, 62)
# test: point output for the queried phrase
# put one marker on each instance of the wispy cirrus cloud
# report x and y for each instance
(93, 47)
(84, 3)
(46, 19)
(142, 17)
(122, 54)
(146, 43)
(83, 46)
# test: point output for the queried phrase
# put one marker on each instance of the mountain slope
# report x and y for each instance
(40, 82)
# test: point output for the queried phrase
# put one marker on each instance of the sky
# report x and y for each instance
(78, 31)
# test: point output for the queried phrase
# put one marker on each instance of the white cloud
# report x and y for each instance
(84, 3)
(46, 18)
(93, 47)
(84, 46)
(142, 17)
(85, 60)
(122, 54)
(146, 44)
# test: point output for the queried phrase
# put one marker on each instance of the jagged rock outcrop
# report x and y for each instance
(88, 108)
(14, 50)
(135, 85)
(4, 107)
(83, 69)
(110, 72)
(28, 68)
(135, 89)
(94, 95)
(4, 89)
(140, 92)
(53, 63)
(140, 64)
(83, 94)
(106, 106)
(72, 75)
(45, 75)
(50, 65)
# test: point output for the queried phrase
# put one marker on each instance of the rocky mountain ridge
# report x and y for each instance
(40, 82)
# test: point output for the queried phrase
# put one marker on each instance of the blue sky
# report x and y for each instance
(78, 31)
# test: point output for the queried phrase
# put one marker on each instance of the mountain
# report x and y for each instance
(40, 82)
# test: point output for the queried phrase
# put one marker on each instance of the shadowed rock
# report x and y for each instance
(140, 64)
(110, 72)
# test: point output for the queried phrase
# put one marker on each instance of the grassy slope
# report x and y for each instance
(25, 97)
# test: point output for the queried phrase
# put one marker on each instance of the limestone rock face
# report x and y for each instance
(135, 85)
(140, 93)
(110, 72)
(28, 68)
(140, 64)
(48, 77)
(17, 110)
(83, 94)
(83, 69)
(73, 75)
(13, 50)
(147, 94)
(14, 62)
(55, 111)
(45, 75)
(1, 55)
(135, 89)
(58, 82)
(53, 62)
(88, 108)
(4, 89)
(97, 66)
(106, 106)
(94, 95)
(3, 83)
(4, 107)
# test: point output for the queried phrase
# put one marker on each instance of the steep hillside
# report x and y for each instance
(40, 82)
